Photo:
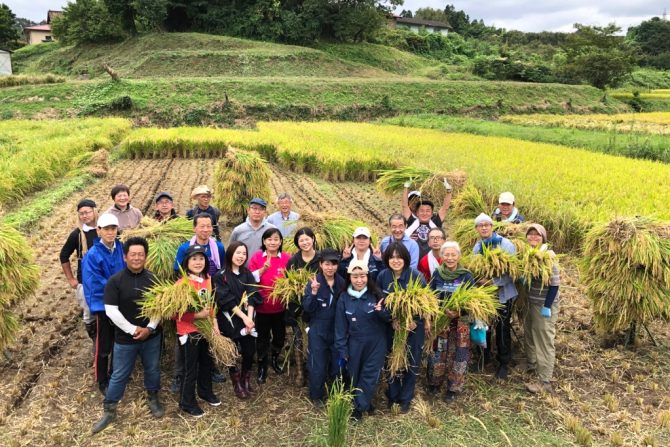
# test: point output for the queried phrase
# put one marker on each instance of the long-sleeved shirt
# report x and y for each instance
(73, 244)
(99, 264)
(124, 293)
(267, 279)
(321, 307)
(286, 226)
(128, 218)
(375, 265)
(252, 237)
(228, 290)
(411, 245)
(356, 318)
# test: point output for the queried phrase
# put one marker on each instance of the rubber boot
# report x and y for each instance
(246, 381)
(157, 409)
(237, 386)
(276, 365)
(108, 416)
(92, 330)
(262, 374)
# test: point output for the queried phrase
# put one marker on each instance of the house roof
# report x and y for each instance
(421, 22)
(38, 28)
(52, 14)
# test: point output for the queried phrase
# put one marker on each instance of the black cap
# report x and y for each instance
(160, 195)
(328, 254)
(86, 202)
(194, 250)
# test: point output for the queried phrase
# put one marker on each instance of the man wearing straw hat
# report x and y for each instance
(203, 195)
(80, 240)
(251, 230)
(103, 260)
(506, 294)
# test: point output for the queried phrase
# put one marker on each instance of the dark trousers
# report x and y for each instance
(321, 361)
(271, 335)
(247, 347)
(366, 360)
(402, 386)
(104, 345)
(197, 371)
(503, 328)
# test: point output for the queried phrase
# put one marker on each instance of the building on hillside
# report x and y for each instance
(416, 25)
(5, 62)
(41, 33)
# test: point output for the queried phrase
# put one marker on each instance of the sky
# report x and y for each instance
(523, 15)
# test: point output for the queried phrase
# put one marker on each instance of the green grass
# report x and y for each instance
(197, 101)
(650, 147)
(647, 79)
(14, 81)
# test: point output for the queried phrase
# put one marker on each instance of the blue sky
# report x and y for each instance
(524, 15)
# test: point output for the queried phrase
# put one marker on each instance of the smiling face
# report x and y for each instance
(435, 239)
(450, 258)
(284, 205)
(485, 230)
(135, 258)
(424, 213)
(359, 279)
(396, 263)
(256, 213)
(203, 200)
(398, 228)
(534, 238)
(305, 243)
(86, 215)
(506, 209)
(361, 243)
(203, 230)
(329, 268)
(272, 243)
(108, 234)
(164, 206)
(121, 199)
(240, 256)
(196, 263)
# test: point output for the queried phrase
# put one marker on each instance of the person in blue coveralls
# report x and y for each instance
(396, 276)
(360, 335)
(320, 302)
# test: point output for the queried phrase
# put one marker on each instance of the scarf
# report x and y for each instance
(515, 213)
(213, 251)
(366, 256)
(493, 241)
(433, 263)
(450, 276)
(412, 228)
(356, 295)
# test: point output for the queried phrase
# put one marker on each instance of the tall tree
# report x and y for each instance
(8, 32)
(652, 37)
(86, 21)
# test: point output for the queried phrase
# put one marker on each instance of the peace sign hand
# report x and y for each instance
(347, 251)
(315, 285)
(377, 253)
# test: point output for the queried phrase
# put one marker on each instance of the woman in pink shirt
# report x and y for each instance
(267, 265)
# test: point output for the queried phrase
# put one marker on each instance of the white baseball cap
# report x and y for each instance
(107, 220)
(506, 197)
(362, 231)
(357, 264)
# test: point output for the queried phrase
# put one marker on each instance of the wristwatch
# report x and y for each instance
(151, 330)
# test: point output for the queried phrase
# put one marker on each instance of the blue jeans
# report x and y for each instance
(124, 363)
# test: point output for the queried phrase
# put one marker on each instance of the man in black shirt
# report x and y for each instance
(79, 241)
(134, 335)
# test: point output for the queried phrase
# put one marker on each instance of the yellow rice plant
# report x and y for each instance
(626, 270)
(535, 264)
(185, 142)
(238, 178)
(466, 235)
(223, 349)
(331, 230)
(165, 300)
(492, 263)
(9, 326)
(404, 305)
(470, 203)
(430, 184)
(652, 122)
(19, 275)
(290, 288)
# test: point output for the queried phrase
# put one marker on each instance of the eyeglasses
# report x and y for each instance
(484, 225)
(85, 213)
(435, 238)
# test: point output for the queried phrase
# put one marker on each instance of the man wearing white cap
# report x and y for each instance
(506, 211)
(507, 292)
(203, 195)
(102, 260)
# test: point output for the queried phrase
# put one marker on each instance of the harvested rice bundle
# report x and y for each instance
(492, 263)
(404, 305)
(466, 235)
(332, 231)
(391, 181)
(19, 276)
(626, 269)
(480, 303)
(9, 326)
(469, 203)
(339, 410)
(535, 264)
(167, 299)
(223, 349)
(238, 178)
(290, 287)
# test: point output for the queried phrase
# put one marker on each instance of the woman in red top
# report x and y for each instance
(197, 359)
(268, 264)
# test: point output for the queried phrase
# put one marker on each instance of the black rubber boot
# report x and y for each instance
(276, 364)
(92, 330)
(157, 409)
(108, 416)
(262, 374)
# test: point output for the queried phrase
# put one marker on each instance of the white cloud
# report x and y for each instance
(35, 10)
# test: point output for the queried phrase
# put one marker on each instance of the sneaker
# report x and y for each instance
(502, 372)
(537, 387)
(405, 407)
(217, 377)
(531, 368)
(357, 416)
(196, 412)
(450, 396)
(211, 399)
(175, 386)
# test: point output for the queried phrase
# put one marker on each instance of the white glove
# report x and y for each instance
(406, 184)
(479, 324)
(446, 184)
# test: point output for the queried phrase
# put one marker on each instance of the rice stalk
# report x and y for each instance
(331, 230)
(238, 178)
(165, 300)
(492, 263)
(290, 287)
(9, 326)
(180, 229)
(391, 181)
(19, 275)
(223, 349)
(339, 410)
(469, 203)
(535, 264)
(160, 260)
(466, 235)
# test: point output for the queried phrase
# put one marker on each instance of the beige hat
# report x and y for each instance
(202, 189)
(506, 197)
(362, 231)
(107, 220)
(357, 264)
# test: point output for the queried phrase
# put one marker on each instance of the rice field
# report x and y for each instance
(657, 123)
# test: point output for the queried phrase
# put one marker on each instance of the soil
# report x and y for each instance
(48, 396)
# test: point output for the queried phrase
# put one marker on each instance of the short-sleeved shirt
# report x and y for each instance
(422, 232)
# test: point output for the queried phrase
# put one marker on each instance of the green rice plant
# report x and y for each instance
(9, 326)
(414, 301)
(290, 288)
(238, 178)
(492, 263)
(339, 410)
(626, 270)
(331, 230)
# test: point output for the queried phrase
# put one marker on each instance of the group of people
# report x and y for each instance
(349, 329)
